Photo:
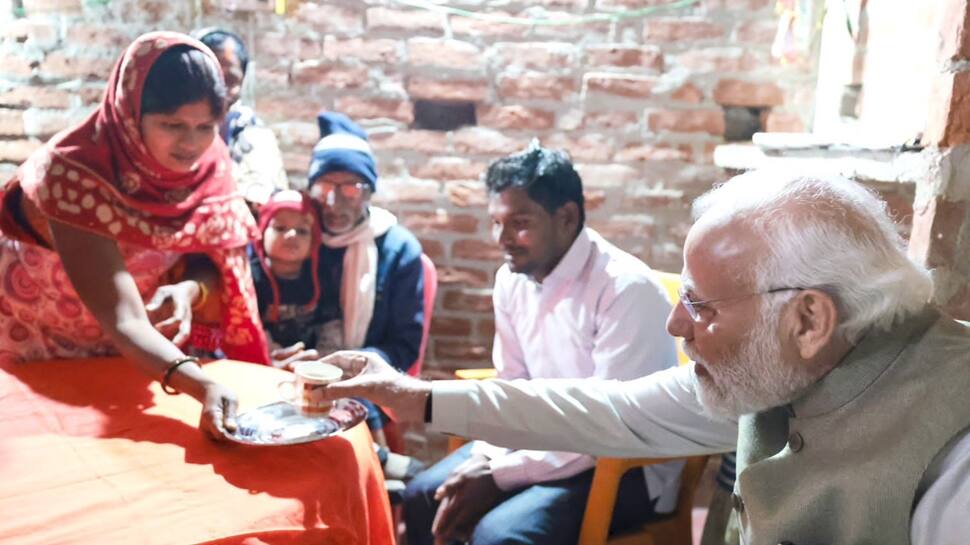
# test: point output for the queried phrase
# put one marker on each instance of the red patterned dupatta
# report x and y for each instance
(100, 177)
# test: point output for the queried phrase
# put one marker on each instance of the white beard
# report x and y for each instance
(754, 379)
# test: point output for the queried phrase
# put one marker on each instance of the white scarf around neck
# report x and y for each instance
(358, 284)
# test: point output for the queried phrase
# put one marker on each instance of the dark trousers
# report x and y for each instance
(548, 513)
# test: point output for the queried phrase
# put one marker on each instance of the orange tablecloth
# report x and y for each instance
(92, 451)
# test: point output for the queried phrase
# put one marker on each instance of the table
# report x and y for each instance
(92, 451)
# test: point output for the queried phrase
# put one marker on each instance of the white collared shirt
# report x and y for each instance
(594, 316)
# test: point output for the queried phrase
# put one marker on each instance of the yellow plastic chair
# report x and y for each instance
(671, 529)
(671, 283)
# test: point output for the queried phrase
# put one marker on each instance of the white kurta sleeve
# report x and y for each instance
(656, 416)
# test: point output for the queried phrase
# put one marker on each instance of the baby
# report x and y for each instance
(285, 270)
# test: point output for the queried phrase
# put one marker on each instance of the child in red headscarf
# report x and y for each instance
(98, 218)
(284, 269)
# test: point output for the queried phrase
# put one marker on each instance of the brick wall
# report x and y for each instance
(941, 222)
(637, 102)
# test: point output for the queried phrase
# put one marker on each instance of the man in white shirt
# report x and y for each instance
(568, 304)
(816, 353)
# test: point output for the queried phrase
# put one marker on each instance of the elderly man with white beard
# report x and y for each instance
(816, 354)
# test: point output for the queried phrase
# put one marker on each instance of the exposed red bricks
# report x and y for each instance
(330, 18)
(451, 327)
(669, 29)
(624, 85)
(467, 194)
(467, 300)
(447, 54)
(533, 85)
(515, 117)
(328, 74)
(477, 250)
(428, 223)
(358, 107)
(405, 20)
(434, 89)
(449, 168)
(732, 92)
(535, 55)
(383, 50)
(708, 121)
(625, 56)
(637, 105)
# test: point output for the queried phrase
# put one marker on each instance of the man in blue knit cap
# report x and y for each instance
(371, 276)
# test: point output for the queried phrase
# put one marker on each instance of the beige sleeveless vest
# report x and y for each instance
(842, 465)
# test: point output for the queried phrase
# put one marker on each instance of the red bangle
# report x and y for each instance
(171, 369)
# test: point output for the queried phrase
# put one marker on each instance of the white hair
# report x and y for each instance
(829, 233)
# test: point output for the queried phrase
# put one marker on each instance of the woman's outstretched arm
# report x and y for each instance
(97, 271)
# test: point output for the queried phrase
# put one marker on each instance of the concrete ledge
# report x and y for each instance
(810, 154)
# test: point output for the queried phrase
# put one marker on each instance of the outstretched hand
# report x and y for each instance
(288, 357)
(369, 376)
(176, 325)
(218, 418)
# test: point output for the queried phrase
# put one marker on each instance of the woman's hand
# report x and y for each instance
(96, 268)
(177, 324)
(218, 412)
(288, 357)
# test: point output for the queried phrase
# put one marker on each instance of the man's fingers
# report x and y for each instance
(440, 517)
(354, 387)
(350, 361)
(451, 483)
(450, 520)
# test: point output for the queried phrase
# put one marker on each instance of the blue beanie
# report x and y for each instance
(342, 147)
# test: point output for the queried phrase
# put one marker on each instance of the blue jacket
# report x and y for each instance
(397, 324)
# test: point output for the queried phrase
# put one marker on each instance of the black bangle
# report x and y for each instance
(171, 369)
(427, 409)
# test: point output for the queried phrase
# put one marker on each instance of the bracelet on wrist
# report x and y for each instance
(176, 363)
(203, 295)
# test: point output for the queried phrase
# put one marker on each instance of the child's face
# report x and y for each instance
(288, 236)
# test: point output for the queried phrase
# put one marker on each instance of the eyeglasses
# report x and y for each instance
(693, 307)
(347, 191)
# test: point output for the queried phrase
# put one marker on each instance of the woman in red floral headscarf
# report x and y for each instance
(99, 217)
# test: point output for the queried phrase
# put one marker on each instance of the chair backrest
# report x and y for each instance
(671, 283)
(392, 432)
(672, 529)
(430, 292)
(689, 477)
